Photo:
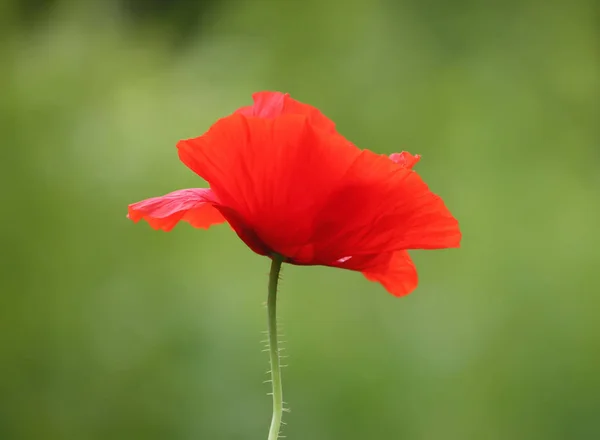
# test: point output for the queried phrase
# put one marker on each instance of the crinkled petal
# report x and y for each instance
(195, 206)
(276, 174)
(274, 104)
(266, 105)
(405, 159)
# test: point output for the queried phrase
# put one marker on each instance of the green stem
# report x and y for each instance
(276, 261)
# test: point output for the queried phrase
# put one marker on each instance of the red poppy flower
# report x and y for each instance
(288, 183)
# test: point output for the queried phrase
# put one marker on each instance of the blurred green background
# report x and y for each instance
(109, 330)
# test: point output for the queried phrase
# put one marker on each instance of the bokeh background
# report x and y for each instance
(110, 330)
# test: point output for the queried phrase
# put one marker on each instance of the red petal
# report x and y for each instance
(398, 274)
(274, 104)
(275, 174)
(395, 271)
(195, 206)
(379, 208)
(405, 159)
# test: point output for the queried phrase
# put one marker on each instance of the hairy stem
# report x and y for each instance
(273, 348)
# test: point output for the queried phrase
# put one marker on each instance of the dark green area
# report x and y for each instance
(110, 330)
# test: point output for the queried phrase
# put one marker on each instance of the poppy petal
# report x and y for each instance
(382, 207)
(195, 206)
(395, 271)
(397, 275)
(274, 104)
(276, 174)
